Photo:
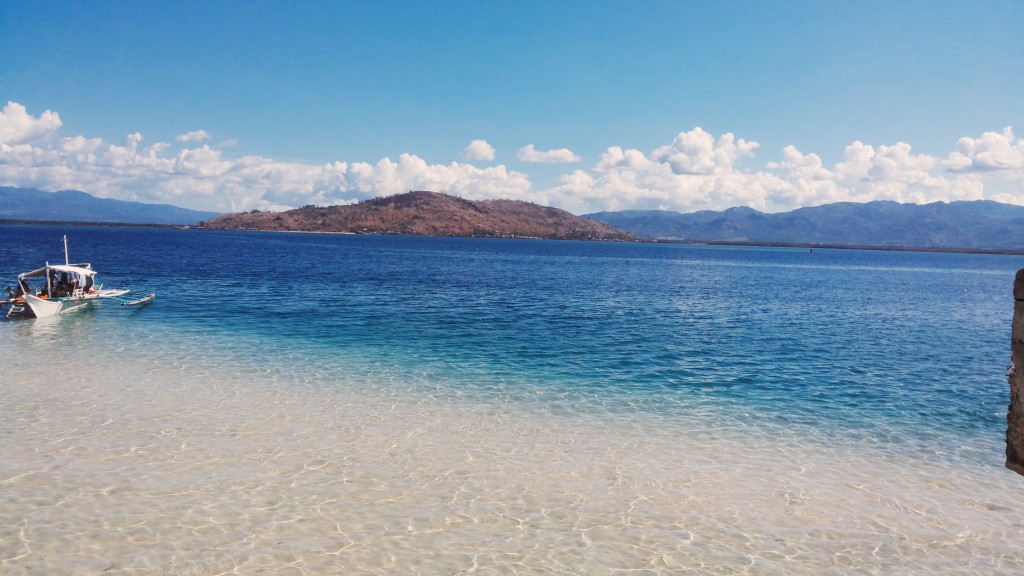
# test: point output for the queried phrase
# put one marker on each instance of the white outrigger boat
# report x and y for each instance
(67, 287)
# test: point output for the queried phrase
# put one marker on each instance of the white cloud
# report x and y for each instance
(17, 126)
(479, 150)
(194, 136)
(695, 171)
(866, 173)
(991, 152)
(201, 178)
(697, 152)
(560, 156)
(628, 179)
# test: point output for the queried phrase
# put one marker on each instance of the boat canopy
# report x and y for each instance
(79, 269)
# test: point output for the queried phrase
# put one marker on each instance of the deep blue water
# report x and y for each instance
(895, 348)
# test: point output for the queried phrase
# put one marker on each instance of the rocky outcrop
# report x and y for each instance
(1015, 415)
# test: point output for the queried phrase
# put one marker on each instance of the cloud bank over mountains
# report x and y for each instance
(695, 171)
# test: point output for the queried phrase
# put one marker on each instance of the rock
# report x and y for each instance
(1015, 414)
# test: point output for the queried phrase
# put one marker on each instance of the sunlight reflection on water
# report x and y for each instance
(460, 406)
(144, 463)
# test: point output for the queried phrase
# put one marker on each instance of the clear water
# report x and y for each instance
(297, 403)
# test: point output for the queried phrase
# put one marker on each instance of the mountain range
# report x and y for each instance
(425, 213)
(75, 206)
(980, 224)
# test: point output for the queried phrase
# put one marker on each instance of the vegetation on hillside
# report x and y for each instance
(429, 214)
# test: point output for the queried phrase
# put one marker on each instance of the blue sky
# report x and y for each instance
(586, 105)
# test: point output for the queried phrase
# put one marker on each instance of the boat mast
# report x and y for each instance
(66, 262)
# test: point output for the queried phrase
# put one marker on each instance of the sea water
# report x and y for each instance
(319, 404)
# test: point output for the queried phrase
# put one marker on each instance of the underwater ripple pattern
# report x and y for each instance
(315, 404)
(893, 346)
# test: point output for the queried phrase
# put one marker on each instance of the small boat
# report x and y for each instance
(63, 288)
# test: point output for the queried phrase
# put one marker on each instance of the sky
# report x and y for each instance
(587, 106)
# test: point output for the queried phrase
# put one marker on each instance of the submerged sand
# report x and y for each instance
(124, 464)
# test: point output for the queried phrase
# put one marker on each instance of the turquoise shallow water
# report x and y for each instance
(734, 398)
(902, 346)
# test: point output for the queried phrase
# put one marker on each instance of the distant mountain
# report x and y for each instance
(429, 214)
(978, 224)
(74, 206)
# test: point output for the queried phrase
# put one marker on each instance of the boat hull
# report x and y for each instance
(44, 307)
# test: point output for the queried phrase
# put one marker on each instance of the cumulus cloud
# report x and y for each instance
(200, 177)
(697, 152)
(560, 156)
(991, 152)
(698, 171)
(868, 173)
(17, 126)
(194, 136)
(695, 171)
(630, 179)
(479, 150)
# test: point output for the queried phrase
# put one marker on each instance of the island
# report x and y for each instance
(424, 213)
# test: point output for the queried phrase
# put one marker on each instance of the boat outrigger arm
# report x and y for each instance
(131, 298)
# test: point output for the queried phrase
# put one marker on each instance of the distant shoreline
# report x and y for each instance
(807, 245)
(94, 224)
(824, 246)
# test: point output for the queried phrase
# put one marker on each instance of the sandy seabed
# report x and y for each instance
(115, 464)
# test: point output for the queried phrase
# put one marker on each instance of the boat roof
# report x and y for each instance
(82, 269)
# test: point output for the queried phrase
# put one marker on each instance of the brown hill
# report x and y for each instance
(428, 214)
